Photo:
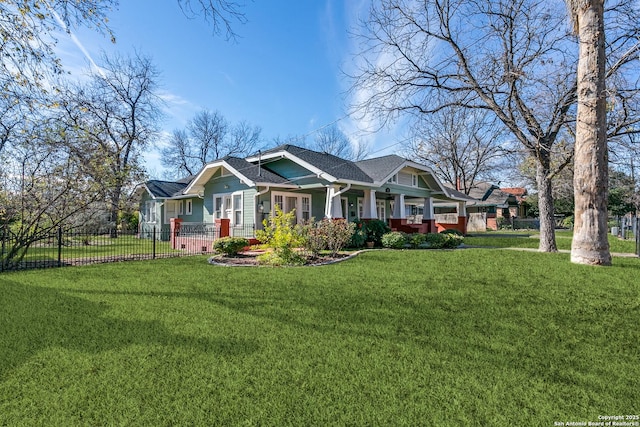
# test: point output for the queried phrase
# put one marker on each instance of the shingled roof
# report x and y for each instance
(164, 189)
(253, 172)
(337, 167)
(380, 168)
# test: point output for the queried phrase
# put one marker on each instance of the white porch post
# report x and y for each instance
(398, 207)
(333, 207)
(428, 209)
(462, 209)
(369, 205)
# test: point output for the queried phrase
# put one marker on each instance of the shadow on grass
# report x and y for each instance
(34, 318)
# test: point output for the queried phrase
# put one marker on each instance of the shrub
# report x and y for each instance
(280, 235)
(331, 234)
(359, 236)
(416, 239)
(314, 238)
(443, 240)
(230, 245)
(374, 230)
(394, 240)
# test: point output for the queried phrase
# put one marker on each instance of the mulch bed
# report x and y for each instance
(249, 259)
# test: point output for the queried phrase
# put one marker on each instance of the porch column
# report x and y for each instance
(428, 212)
(333, 207)
(462, 209)
(462, 217)
(398, 207)
(369, 205)
(428, 216)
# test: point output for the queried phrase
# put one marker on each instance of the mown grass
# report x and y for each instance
(531, 240)
(478, 337)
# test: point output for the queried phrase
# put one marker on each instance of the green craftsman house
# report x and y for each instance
(233, 196)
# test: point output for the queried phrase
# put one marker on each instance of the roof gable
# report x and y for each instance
(327, 165)
(380, 169)
(164, 189)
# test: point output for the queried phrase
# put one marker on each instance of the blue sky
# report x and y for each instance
(285, 72)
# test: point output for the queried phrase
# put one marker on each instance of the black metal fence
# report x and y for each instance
(69, 247)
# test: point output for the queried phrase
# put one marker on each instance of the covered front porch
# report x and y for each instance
(403, 211)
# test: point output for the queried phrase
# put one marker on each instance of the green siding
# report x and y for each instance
(249, 206)
(288, 169)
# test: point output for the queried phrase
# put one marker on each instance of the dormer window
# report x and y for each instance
(393, 179)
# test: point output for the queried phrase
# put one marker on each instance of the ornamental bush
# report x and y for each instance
(416, 239)
(359, 236)
(443, 240)
(394, 240)
(328, 234)
(374, 230)
(230, 245)
(280, 235)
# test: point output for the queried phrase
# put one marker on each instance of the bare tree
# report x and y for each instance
(220, 14)
(461, 146)
(590, 177)
(512, 58)
(332, 140)
(43, 186)
(115, 116)
(207, 137)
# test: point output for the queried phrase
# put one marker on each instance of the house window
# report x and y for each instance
(149, 211)
(228, 206)
(393, 179)
(237, 209)
(217, 207)
(189, 207)
(381, 210)
(180, 208)
(288, 202)
(306, 208)
(170, 210)
(278, 201)
(414, 180)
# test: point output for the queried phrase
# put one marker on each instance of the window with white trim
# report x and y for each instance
(393, 179)
(290, 201)
(170, 210)
(217, 207)
(305, 208)
(414, 180)
(189, 207)
(237, 209)
(229, 206)
(381, 210)
(180, 208)
(149, 213)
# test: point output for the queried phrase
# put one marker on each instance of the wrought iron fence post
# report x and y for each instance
(4, 238)
(60, 246)
(154, 242)
(638, 236)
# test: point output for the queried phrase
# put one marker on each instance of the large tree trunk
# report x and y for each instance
(590, 244)
(545, 205)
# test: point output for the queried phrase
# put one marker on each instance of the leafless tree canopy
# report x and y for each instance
(461, 146)
(332, 140)
(222, 15)
(516, 59)
(114, 116)
(207, 137)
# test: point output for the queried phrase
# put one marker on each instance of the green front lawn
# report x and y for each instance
(531, 240)
(467, 337)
